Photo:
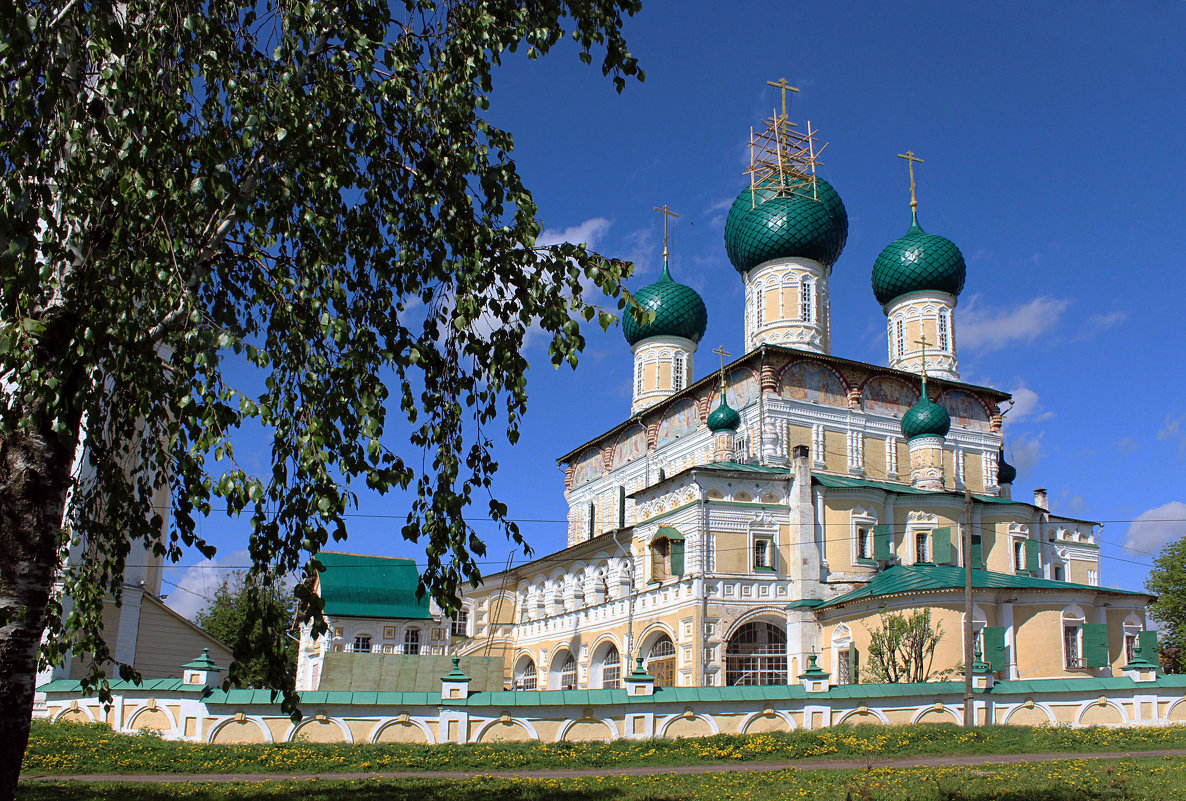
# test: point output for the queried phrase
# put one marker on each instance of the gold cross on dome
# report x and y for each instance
(923, 341)
(785, 86)
(667, 213)
(910, 159)
(720, 351)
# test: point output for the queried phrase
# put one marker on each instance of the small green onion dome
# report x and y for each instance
(1006, 473)
(679, 312)
(782, 226)
(917, 262)
(724, 417)
(925, 419)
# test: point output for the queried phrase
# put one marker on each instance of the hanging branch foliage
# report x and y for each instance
(287, 215)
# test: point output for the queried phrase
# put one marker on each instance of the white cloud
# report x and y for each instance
(587, 233)
(1025, 404)
(991, 329)
(1173, 431)
(1027, 452)
(1156, 527)
(189, 594)
(1102, 321)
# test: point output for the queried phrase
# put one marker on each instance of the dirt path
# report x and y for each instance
(644, 770)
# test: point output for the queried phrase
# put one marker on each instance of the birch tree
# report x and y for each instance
(287, 214)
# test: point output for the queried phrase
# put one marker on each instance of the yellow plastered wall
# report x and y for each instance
(835, 452)
(948, 469)
(732, 552)
(995, 542)
(875, 458)
(1038, 633)
(801, 435)
(974, 472)
(838, 534)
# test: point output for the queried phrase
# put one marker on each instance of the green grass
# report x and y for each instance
(66, 749)
(1122, 780)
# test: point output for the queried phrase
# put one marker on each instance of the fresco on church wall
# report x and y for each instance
(813, 383)
(885, 395)
(631, 445)
(588, 467)
(965, 410)
(681, 419)
(742, 390)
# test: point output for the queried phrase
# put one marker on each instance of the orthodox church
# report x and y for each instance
(756, 526)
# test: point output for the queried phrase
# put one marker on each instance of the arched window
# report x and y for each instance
(525, 675)
(756, 654)
(677, 372)
(611, 668)
(844, 655)
(1072, 638)
(943, 330)
(901, 338)
(805, 301)
(412, 641)
(362, 644)
(661, 662)
(568, 673)
(638, 377)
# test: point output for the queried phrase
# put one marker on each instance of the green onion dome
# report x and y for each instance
(917, 262)
(1006, 473)
(781, 225)
(679, 311)
(925, 419)
(724, 417)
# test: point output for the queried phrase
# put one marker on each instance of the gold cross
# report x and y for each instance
(720, 351)
(666, 212)
(782, 84)
(923, 341)
(910, 159)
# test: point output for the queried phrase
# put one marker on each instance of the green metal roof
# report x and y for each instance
(785, 223)
(147, 685)
(925, 419)
(203, 662)
(917, 262)
(319, 698)
(926, 578)
(354, 585)
(679, 311)
(844, 482)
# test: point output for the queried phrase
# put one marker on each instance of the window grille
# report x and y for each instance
(756, 655)
(362, 644)
(901, 338)
(677, 372)
(568, 673)
(845, 675)
(864, 543)
(638, 377)
(1070, 645)
(921, 549)
(805, 302)
(942, 330)
(460, 625)
(611, 669)
(661, 662)
(528, 679)
(412, 641)
(761, 553)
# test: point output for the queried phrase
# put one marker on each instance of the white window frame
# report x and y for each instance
(944, 327)
(677, 371)
(1072, 617)
(900, 332)
(805, 300)
(867, 522)
(358, 648)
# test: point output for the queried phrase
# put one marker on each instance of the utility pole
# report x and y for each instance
(969, 711)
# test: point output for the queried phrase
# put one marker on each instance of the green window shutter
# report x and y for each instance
(941, 546)
(1150, 651)
(1095, 644)
(994, 648)
(977, 554)
(883, 543)
(1032, 565)
(677, 557)
(854, 665)
(621, 507)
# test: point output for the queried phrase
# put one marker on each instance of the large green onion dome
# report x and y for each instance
(925, 419)
(1006, 473)
(679, 311)
(785, 225)
(916, 262)
(724, 417)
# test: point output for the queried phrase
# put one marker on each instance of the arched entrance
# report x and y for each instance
(756, 654)
(661, 662)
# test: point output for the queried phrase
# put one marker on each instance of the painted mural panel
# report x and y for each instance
(631, 445)
(965, 410)
(885, 395)
(588, 467)
(814, 383)
(681, 419)
(742, 390)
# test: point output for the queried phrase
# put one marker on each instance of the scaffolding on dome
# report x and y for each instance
(783, 158)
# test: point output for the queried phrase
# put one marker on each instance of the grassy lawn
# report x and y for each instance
(63, 748)
(1130, 779)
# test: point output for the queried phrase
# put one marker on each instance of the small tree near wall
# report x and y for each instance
(902, 649)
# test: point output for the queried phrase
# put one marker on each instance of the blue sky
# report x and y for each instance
(1052, 135)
